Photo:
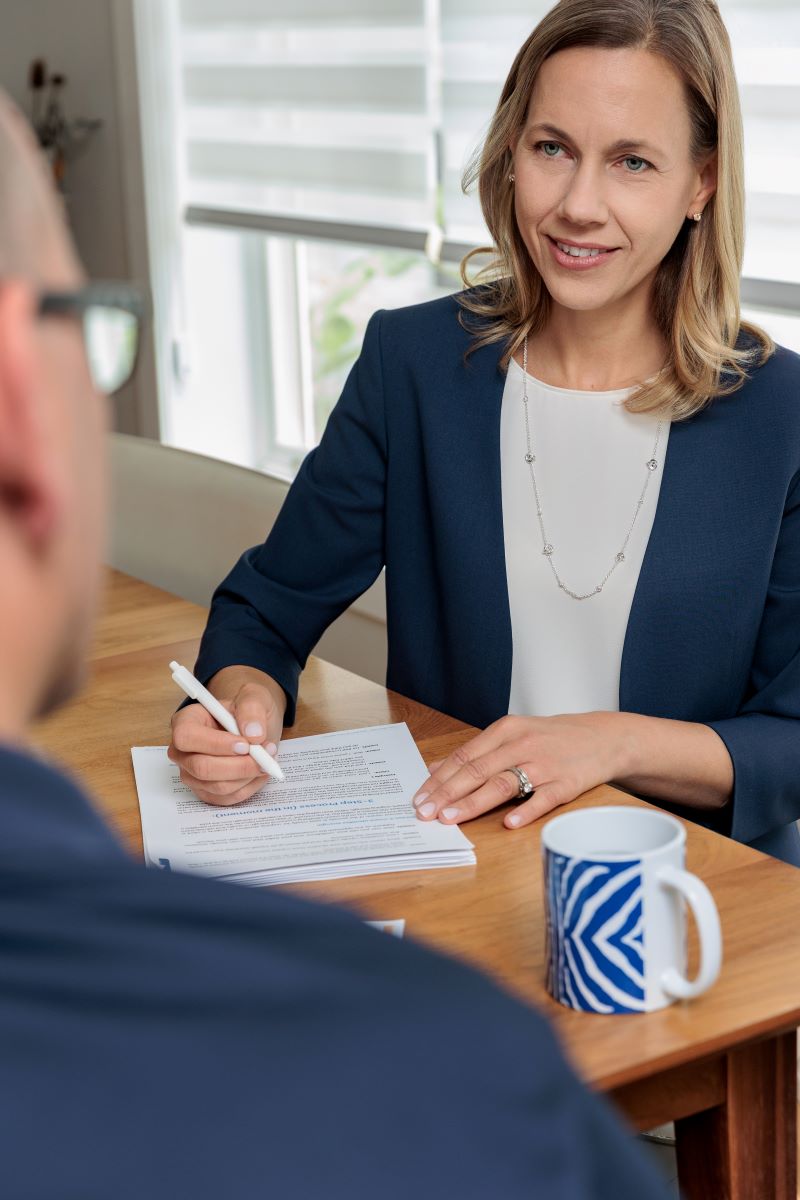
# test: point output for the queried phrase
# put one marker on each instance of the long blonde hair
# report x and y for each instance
(696, 290)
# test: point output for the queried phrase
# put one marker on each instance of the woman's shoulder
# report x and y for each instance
(436, 321)
(779, 372)
(766, 407)
(786, 363)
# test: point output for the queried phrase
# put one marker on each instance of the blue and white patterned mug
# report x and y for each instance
(615, 897)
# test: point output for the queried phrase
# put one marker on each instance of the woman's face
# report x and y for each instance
(603, 162)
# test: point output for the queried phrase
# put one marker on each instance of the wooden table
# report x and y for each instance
(723, 1067)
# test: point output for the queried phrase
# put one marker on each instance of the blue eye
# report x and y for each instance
(547, 146)
(632, 158)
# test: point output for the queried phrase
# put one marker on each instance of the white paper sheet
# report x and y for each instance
(345, 809)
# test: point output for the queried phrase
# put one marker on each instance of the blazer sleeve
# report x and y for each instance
(325, 548)
(763, 739)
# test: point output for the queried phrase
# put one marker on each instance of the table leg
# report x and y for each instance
(745, 1148)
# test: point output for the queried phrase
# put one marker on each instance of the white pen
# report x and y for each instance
(195, 690)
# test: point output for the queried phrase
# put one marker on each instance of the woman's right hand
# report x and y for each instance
(216, 764)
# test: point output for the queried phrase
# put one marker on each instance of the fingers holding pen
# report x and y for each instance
(257, 716)
(196, 735)
(217, 795)
(215, 764)
(225, 745)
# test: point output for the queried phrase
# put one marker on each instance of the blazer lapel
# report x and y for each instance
(680, 649)
(680, 608)
(472, 478)
(678, 655)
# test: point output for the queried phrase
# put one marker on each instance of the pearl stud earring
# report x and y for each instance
(696, 216)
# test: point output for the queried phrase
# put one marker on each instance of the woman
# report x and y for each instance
(581, 476)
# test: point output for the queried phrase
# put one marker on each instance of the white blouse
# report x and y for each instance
(590, 470)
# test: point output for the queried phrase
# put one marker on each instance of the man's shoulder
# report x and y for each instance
(214, 936)
(176, 933)
(262, 947)
(46, 817)
(277, 1015)
(204, 947)
(278, 976)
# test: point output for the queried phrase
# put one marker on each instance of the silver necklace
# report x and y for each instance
(548, 549)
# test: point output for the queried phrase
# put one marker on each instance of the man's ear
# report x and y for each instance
(28, 488)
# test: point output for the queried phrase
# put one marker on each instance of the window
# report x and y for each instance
(314, 151)
(271, 342)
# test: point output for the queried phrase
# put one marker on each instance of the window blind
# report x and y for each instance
(478, 48)
(766, 46)
(315, 108)
(368, 112)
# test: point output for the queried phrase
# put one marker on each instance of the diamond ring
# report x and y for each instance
(526, 788)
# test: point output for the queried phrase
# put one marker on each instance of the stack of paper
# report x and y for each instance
(345, 809)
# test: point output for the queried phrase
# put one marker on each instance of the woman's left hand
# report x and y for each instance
(562, 756)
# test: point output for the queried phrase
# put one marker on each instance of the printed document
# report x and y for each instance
(344, 809)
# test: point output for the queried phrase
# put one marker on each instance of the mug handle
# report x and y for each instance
(705, 913)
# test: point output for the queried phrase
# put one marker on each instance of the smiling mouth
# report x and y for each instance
(582, 251)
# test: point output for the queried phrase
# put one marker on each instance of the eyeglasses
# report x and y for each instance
(111, 315)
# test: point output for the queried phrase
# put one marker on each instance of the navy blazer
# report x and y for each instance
(407, 476)
(169, 1037)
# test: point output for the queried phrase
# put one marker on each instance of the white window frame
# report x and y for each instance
(148, 85)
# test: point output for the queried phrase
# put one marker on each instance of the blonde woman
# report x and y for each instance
(581, 475)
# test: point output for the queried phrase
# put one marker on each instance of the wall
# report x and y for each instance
(76, 38)
(92, 43)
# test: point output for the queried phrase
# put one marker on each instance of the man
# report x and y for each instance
(166, 1036)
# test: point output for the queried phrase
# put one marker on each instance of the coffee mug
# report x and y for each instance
(615, 898)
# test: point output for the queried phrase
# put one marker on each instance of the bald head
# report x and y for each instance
(52, 427)
(34, 241)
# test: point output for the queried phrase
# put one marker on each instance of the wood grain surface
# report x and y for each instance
(491, 914)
